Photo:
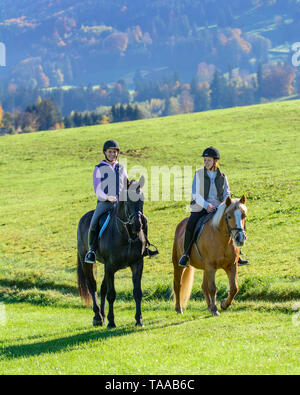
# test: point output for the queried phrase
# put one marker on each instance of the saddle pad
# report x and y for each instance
(200, 225)
(103, 226)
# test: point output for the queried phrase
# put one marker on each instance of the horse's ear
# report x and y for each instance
(228, 201)
(141, 182)
(243, 199)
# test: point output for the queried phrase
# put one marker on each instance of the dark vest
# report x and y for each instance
(109, 172)
(205, 187)
(219, 181)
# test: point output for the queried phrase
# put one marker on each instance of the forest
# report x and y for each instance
(74, 43)
(59, 108)
(157, 57)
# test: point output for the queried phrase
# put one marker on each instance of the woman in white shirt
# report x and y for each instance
(210, 188)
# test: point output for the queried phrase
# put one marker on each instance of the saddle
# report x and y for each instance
(200, 225)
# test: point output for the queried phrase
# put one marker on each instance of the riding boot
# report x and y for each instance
(242, 262)
(150, 253)
(147, 252)
(92, 240)
(188, 240)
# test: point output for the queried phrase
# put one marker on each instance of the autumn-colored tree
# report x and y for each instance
(277, 80)
(8, 122)
(201, 95)
(205, 72)
(172, 106)
(186, 102)
(45, 114)
(116, 42)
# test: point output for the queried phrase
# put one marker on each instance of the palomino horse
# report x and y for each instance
(219, 247)
(121, 245)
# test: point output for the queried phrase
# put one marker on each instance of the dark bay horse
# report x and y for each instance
(219, 247)
(121, 245)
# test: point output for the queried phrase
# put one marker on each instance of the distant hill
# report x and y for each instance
(70, 42)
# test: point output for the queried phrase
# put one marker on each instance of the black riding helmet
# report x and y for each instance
(211, 152)
(111, 144)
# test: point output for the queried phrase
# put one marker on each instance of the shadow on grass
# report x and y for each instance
(43, 285)
(64, 343)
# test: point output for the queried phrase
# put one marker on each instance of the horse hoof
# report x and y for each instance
(111, 326)
(223, 305)
(215, 313)
(97, 322)
(139, 323)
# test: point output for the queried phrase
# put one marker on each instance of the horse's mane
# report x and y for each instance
(221, 210)
(219, 214)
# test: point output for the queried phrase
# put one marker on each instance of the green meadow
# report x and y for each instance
(46, 186)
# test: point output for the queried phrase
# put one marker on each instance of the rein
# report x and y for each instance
(128, 223)
(125, 225)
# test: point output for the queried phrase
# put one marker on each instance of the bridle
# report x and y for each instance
(230, 229)
(129, 222)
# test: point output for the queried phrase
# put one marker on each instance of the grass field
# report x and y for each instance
(46, 186)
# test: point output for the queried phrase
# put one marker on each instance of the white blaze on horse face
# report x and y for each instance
(238, 221)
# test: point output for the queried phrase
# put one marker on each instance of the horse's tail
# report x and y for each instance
(187, 281)
(81, 276)
(183, 278)
(82, 284)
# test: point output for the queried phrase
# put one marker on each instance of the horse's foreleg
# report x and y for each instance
(137, 271)
(111, 297)
(88, 269)
(210, 290)
(205, 290)
(233, 287)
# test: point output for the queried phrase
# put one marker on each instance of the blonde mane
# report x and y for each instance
(222, 209)
(219, 214)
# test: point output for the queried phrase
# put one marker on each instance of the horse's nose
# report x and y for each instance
(240, 239)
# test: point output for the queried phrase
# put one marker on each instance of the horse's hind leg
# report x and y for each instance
(137, 271)
(92, 286)
(103, 293)
(111, 297)
(233, 287)
(177, 276)
(177, 286)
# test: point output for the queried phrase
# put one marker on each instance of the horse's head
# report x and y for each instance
(134, 203)
(235, 217)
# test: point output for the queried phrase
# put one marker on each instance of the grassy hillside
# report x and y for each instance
(46, 186)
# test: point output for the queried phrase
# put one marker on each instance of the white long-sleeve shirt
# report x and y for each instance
(198, 190)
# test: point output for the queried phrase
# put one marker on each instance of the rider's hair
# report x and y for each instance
(216, 165)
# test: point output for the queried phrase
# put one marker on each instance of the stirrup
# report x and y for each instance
(184, 261)
(150, 253)
(90, 257)
(243, 262)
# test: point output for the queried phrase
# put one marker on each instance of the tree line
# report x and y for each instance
(209, 89)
